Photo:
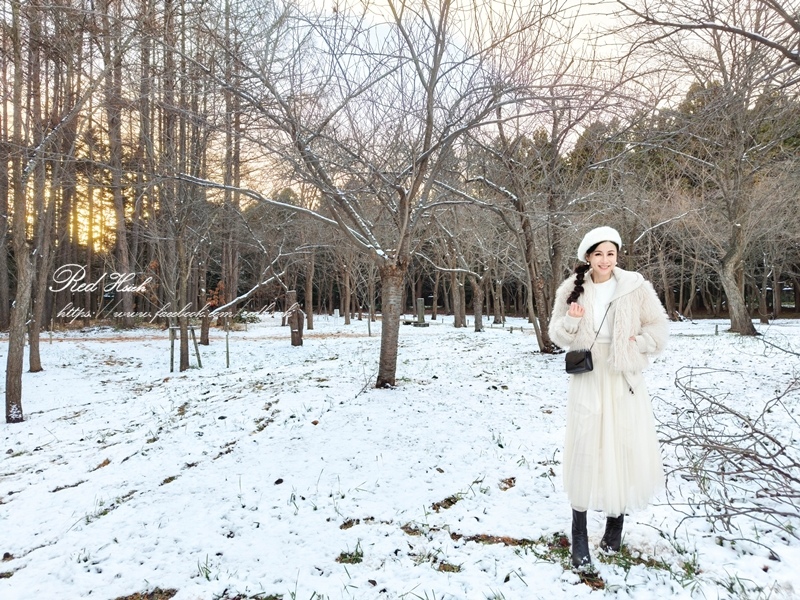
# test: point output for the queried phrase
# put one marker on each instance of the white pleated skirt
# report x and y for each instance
(612, 459)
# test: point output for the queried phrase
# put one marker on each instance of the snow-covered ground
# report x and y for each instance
(288, 476)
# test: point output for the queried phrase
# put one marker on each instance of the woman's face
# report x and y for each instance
(602, 259)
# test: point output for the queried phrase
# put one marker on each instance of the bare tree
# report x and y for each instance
(475, 241)
(42, 208)
(549, 161)
(32, 143)
(112, 46)
(7, 67)
(367, 107)
(20, 174)
(778, 27)
(716, 135)
(232, 159)
(776, 233)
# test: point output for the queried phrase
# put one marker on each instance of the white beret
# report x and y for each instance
(597, 236)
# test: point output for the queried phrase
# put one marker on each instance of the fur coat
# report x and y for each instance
(635, 311)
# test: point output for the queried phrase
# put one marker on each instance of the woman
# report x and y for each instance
(612, 460)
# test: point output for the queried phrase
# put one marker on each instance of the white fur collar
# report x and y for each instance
(627, 281)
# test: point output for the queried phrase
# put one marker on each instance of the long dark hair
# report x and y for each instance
(580, 274)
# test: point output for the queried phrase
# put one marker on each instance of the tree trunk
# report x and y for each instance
(681, 285)
(232, 176)
(308, 300)
(205, 326)
(669, 297)
(202, 294)
(296, 326)
(41, 226)
(538, 315)
(183, 300)
(446, 298)
(498, 302)
(687, 308)
(90, 233)
(556, 238)
(5, 150)
(542, 313)
(455, 292)
(42, 276)
(404, 300)
(112, 59)
(66, 231)
(763, 311)
(294, 318)
(777, 293)
(535, 288)
(345, 299)
(19, 312)
(741, 322)
(392, 283)
(145, 151)
(487, 295)
(705, 298)
(418, 286)
(462, 289)
(477, 302)
(528, 302)
(435, 297)
(371, 293)
(16, 333)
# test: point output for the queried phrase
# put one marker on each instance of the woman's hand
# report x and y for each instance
(576, 310)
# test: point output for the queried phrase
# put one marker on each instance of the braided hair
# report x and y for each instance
(580, 274)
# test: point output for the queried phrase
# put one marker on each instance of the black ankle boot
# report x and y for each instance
(612, 538)
(580, 540)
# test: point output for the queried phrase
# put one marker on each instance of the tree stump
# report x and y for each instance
(294, 317)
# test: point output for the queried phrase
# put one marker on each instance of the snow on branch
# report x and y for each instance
(656, 226)
(354, 235)
(469, 199)
(447, 269)
(255, 288)
(498, 188)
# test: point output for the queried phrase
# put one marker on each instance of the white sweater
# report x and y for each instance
(602, 298)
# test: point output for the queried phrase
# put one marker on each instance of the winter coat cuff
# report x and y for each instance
(571, 324)
(646, 344)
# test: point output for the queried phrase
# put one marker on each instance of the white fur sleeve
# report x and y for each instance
(562, 328)
(654, 331)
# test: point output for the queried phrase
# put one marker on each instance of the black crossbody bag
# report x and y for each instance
(580, 361)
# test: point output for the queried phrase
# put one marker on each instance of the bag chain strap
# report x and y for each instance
(601, 326)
